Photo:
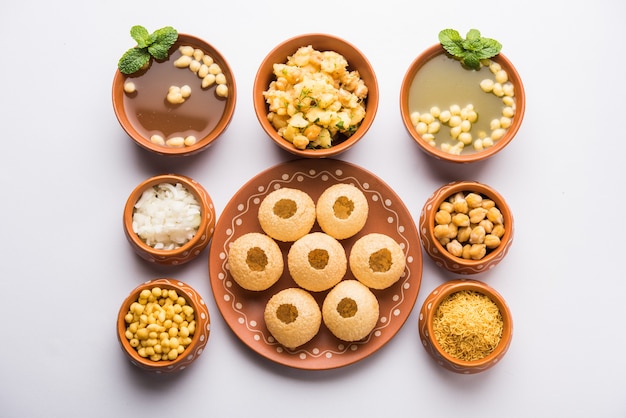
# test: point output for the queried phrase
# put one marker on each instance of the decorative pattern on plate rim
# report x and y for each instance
(289, 178)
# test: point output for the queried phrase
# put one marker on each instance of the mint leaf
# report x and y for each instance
(448, 36)
(164, 38)
(141, 36)
(133, 60)
(470, 50)
(158, 51)
(473, 35)
(156, 44)
(490, 48)
(452, 42)
(471, 60)
(472, 41)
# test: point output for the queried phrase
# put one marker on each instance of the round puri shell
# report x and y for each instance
(305, 321)
(355, 325)
(202, 143)
(377, 261)
(435, 152)
(317, 261)
(198, 342)
(429, 307)
(321, 42)
(287, 214)
(255, 261)
(193, 247)
(342, 210)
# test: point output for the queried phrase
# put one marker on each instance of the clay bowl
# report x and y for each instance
(192, 247)
(435, 350)
(321, 42)
(203, 115)
(198, 339)
(442, 256)
(410, 93)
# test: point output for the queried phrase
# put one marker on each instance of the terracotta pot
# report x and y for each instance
(204, 138)
(436, 152)
(434, 349)
(321, 42)
(198, 340)
(193, 247)
(439, 253)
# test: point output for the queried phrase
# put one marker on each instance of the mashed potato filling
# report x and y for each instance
(315, 100)
(166, 216)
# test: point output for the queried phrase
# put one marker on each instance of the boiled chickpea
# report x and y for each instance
(477, 251)
(498, 231)
(441, 231)
(183, 61)
(501, 76)
(186, 50)
(508, 89)
(129, 87)
(222, 90)
(208, 80)
(472, 219)
(477, 236)
(463, 233)
(492, 241)
(443, 217)
(195, 65)
(455, 248)
(460, 219)
(476, 215)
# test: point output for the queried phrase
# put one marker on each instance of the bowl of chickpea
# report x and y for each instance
(457, 114)
(466, 227)
(169, 219)
(466, 326)
(163, 325)
(315, 95)
(180, 105)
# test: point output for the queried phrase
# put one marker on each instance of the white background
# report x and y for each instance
(67, 169)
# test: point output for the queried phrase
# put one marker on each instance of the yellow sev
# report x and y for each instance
(468, 325)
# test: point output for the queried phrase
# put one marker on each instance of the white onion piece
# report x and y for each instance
(166, 216)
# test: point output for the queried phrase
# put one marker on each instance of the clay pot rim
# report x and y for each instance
(520, 104)
(202, 143)
(457, 285)
(450, 189)
(319, 41)
(193, 187)
(182, 289)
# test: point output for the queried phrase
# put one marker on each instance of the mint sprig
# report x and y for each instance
(470, 50)
(156, 44)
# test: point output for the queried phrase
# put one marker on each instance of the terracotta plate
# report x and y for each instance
(243, 310)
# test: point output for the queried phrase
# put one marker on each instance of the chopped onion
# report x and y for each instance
(166, 216)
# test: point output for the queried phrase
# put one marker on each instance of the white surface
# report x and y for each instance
(67, 168)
